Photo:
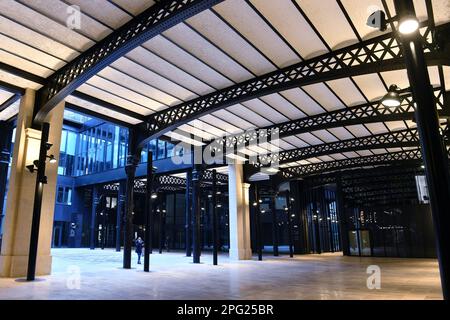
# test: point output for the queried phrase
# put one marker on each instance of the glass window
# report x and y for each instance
(60, 195)
(161, 149)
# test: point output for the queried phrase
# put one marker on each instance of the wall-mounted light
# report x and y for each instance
(52, 159)
(392, 99)
(154, 195)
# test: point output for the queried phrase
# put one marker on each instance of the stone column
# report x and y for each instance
(17, 224)
(239, 214)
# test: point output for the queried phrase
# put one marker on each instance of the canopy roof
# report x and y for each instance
(232, 42)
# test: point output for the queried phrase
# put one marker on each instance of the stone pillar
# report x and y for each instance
(240, 248)
(17, 224)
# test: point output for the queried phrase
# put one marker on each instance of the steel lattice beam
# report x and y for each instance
(404, 157)
(378, 54)
(397, 139)
(373, 112)
(152, 22)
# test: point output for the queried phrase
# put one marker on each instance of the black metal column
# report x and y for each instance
(188, 213)
(159, 210)
(258, 224)
(41, 179)
(289, 222)
(214, 217)
(316, 222)
(342, 219)
(435, 159)
(275, 238)
(196, 239)
(130, 169)
(148, 212)
(93, 226)
(5, 154)
(119, 217)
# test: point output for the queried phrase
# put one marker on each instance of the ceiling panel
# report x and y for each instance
(121, 91)
(396, 125)
(109, 14)
(264, 110)
(136, 6)
(106, 96)
(324, 96)
(172, 71)
(10, 112)
(296, 142)
(244, 19)
(376, 128)
(153, 79)
(347, 91)
(234, 119)
(303, 101)
(221, 124)
(44, 25)
(246, 113)
(101, 110)
(218, 32)
(289, 22)
(441, 9)
(187, 62)
(341, 133)
(358, 130)
(17, 81)
(326, 13)
(371, 85)
(24, 64)
(4, 96)
(282, 105)
(196, 131)
(192, 42)
(58, 11)
(310, 139)
(325, 136)
(138, 86)
(359, 11)
(34, 39)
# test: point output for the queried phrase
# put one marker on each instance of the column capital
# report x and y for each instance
(246, 185)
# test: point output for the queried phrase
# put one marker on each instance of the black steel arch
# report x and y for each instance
(379, 54)
(410, 157)
(372, 112)
(153, 21)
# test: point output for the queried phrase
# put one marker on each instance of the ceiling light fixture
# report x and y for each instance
(392, 98)
(408, 25)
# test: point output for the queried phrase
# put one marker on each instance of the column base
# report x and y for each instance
(17, 266)
(240, 254)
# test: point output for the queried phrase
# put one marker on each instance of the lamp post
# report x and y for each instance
(433, 150)
(289, 222)
(41, 179)
(148, 212)
(214, 217)
(256, 204)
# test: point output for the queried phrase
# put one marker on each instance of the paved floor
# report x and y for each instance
(173, 276)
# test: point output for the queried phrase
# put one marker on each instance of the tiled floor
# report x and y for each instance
(173, 276)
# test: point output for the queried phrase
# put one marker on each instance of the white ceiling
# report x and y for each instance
(234, 41)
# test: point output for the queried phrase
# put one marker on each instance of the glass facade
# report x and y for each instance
(101, 148)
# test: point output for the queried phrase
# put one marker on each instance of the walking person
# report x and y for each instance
(139, 245)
